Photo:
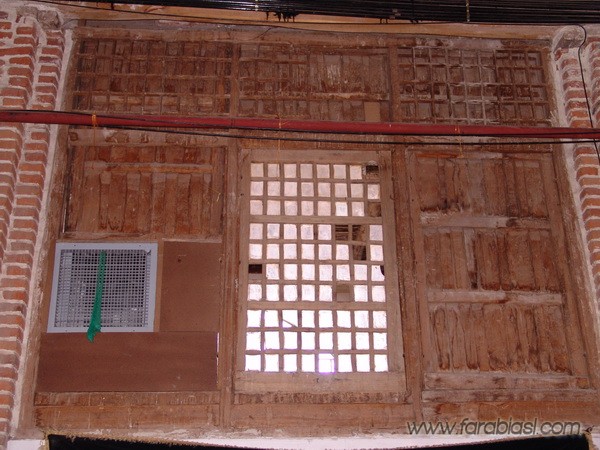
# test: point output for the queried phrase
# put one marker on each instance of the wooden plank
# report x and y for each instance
(512, 204)
(525, 363)
(90, 209)
(395, 324)
(182, 205)
(559, 359)
(521, 189)
(543, 331)
(411, 326)
(432, 260)
(476, 186)
(195, 210)
(316, 383)
(543, 258)
(144, 214)
(503, 262)
(427, 184)
(142, 142)
(576, 312)
(471, 261)
(174, 156)
(495, 337)
(536, 195)
(127, 362)
(103, 223)
(481, 345)
(147, 153)
(170, 205)
(450, 169)
(512, 341)
(133, 208)
(158, 203)
(441, 338)
(115, 414)
(520, 264)
(324, 419)
(446, 261)
(467, 318)
(295, 152)
(216, 214)
(491, 296)
(466, 380)
(531, 333)
(582, 411)
(486, 256)
(206, 203)
(231, 258)
(76, 188)
(323, 398)
(420, 283)
(126, 399)
(463, 220)
(127, 167)
(478, 393)
(461, 269)
(191, 286)
(495, 188)
(457, 338)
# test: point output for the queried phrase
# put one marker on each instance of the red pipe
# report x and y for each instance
(310, 126)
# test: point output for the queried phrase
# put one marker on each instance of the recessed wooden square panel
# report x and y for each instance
(191, 286)
(125, 362)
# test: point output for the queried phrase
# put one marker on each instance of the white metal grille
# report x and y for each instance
(128, 286)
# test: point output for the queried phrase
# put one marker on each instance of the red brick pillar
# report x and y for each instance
(31, 54)
(571, 54)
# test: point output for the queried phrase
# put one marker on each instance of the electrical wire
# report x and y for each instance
(585, 90)
(558, 140)
(425, 12)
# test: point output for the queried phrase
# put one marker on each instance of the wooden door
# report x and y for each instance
(496, 307)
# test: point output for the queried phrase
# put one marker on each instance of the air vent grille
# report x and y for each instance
(128, 286)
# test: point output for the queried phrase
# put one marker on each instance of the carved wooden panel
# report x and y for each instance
(152, 76)
(161, 190)
(493, 269)
(316, 82)
(461, 84)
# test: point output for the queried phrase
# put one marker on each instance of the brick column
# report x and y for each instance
(31, 53)
(571, 44)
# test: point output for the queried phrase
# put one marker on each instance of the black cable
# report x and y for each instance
(447, 12)
(558, 140)
(587, 99)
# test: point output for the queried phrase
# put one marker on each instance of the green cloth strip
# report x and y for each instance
(96, 318)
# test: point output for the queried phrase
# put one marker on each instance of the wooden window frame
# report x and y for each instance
(392, 380)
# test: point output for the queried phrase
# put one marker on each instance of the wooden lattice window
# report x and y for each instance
(318, 266)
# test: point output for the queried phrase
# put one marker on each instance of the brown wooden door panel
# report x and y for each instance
(481, 185)
(130, 190)
(191, 286)
(127, 362)
(490, 259)
(495, 281)
(497, 337)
